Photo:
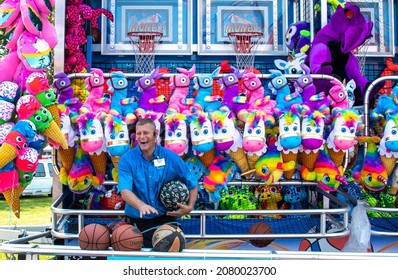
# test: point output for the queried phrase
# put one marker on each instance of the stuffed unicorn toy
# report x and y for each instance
(179, 84)
(93, 141)
(176, 136)
(227, 137)
(346, 124)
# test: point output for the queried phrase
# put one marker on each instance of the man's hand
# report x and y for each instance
(182, 210)
(145, 209)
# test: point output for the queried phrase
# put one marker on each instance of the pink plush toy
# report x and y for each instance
(179, 83)
(95, 101)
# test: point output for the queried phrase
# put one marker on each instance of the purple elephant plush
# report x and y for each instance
(331, 50)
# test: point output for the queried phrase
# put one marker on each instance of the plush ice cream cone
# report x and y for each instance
(53, 109)
(252, 159)
(67, 156)
(240, 158)
(8, 153)
(53, 131)
(207, 158)
(12, 197)
(286, 157)
(337, 157)
(115, 160)
(309, 159)
(389, 163)
(99, 163)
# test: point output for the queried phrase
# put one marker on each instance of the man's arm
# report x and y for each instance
(186, 209)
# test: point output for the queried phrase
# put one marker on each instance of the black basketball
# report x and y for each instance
(173, 192)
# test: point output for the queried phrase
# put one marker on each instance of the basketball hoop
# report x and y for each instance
(145, 44)
(245, 45)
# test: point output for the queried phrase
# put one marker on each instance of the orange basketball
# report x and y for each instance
(94, 237)
(260, 228)
(126, 238)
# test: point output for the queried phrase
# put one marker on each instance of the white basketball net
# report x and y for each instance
(145, 44)
(245, 45)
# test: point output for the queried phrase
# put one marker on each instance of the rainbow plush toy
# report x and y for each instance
(270, 166)
(327, 175)
(372, 173)
(216, 179)
(93, 142)
(80, 177)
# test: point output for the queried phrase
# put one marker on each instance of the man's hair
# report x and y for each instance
(145, 121)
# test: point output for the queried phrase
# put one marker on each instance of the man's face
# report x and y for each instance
(146, 137)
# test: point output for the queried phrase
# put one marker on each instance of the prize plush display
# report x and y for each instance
(95, 101)
(176, 129)
(227, 137)
(298, 38)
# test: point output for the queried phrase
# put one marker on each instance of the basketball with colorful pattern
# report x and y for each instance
(172, 193)
(168, 238)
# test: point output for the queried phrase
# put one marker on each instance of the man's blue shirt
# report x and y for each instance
(144, 179)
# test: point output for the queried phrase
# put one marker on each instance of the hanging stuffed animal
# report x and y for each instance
(121, 104)
(332, 46)
(28, 107)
